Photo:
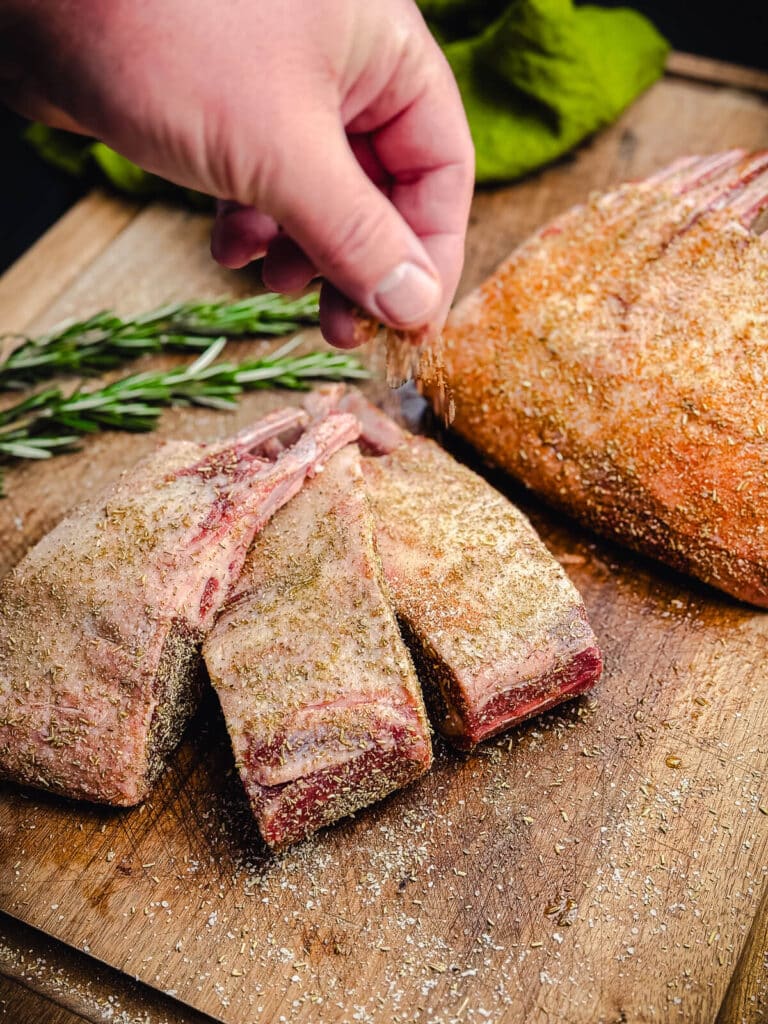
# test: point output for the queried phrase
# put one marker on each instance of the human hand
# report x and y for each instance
(337, 120)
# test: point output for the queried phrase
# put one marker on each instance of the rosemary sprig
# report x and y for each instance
(50, 422)
(106, 340)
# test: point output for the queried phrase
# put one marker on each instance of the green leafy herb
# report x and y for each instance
(50, 422)
(106, 340)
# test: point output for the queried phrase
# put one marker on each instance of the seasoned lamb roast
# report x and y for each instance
(617, 363)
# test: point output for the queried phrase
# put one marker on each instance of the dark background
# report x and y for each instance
(34, 195)
(732, 30)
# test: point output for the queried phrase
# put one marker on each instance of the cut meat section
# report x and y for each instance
(319, 694)
(497, 630)
(100, 622)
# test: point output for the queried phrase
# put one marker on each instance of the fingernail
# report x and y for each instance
(408, 296)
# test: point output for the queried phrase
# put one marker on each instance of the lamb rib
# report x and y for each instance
(100, 622)
(616, 363)
(318, 691)
(497, 630)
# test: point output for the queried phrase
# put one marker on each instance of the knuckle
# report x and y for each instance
(464, 169)
(242, 166)
(260, 179)
(365, 228)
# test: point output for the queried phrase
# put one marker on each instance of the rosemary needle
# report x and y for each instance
(50, 422)
(106, 340)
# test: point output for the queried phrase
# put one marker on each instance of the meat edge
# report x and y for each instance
(571, 673)
(292, 811)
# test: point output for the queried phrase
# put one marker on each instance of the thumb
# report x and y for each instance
(350, 230)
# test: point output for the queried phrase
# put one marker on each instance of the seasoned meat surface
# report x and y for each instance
(100, 622)
(497, 629)
(318, 691)
(617, 364)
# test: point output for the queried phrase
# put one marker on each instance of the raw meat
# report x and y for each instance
(100, 622)
(379, 432)
(320, 697)
(617, 364)
(497, 630)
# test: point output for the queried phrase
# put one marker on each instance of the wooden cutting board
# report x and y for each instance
(604, 862)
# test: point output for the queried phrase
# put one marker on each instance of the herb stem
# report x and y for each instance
(50, 422)
(105, 341)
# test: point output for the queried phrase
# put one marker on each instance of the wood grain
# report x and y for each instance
(567, 871)
(747, 995)
(59, 257)
(718, 72)
(20, 1006)
(38, 973)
